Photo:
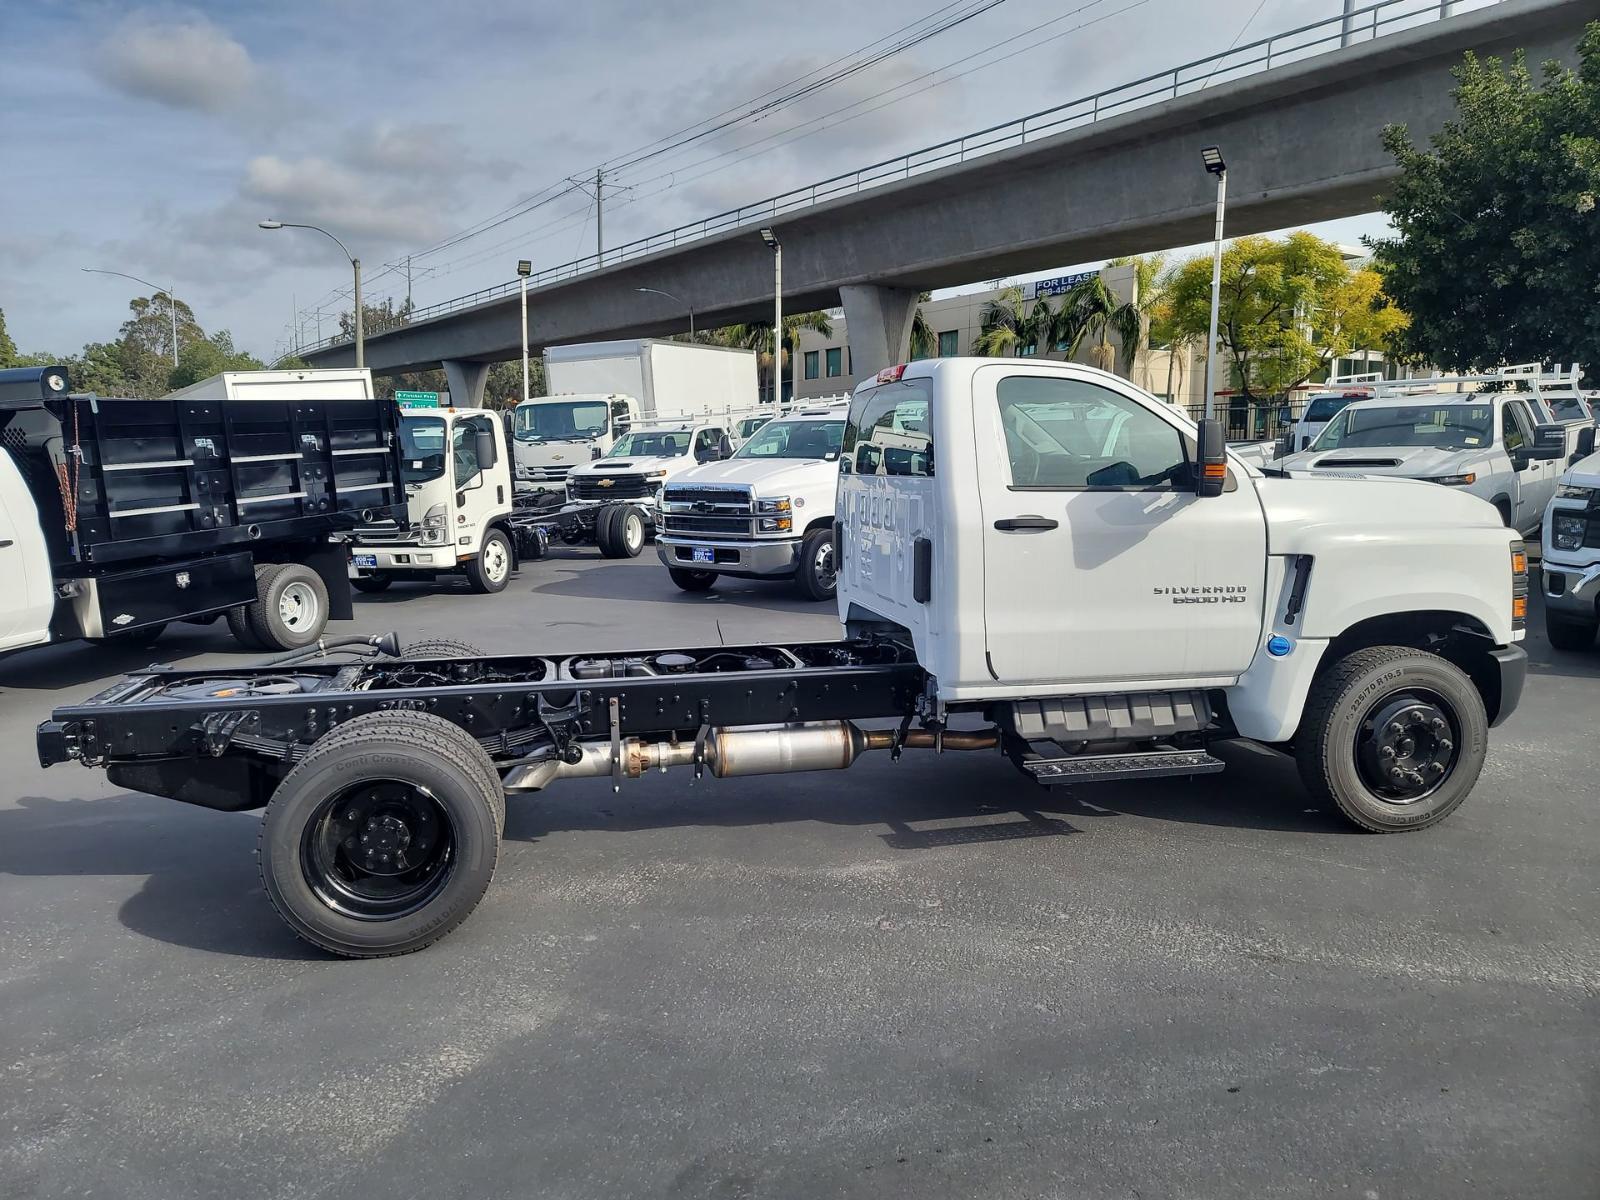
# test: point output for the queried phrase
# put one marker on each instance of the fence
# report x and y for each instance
(1335, 32)
(1252, 420)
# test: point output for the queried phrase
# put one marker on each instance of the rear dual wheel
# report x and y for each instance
(619, 531)
(290, 610)
(384, 837)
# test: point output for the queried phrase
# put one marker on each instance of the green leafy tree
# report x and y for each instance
(1091, 309)
(376, 318)
(99, 369)
(205, 357)
(503, 389)
(145, 342)
(924, 341)
(757, 336)
(1283, 308)
(1497, 234)
(8, 348)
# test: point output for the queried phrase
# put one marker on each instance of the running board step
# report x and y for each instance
(1103, 768)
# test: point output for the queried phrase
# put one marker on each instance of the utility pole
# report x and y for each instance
(1347, 27)
(1215, 166)
(599, 217)
(408, 283)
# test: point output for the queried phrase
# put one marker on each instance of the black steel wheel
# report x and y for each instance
(239, 626)
(384, 837)
(1392, 736)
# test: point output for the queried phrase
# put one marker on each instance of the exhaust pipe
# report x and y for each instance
(743, 750)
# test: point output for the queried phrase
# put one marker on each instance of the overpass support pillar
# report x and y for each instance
(465, 380)
(878, 320)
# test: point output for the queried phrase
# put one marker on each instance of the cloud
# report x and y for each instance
(182, 62)
(319, 191)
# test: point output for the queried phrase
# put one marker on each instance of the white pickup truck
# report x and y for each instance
(765, 513)
(1007, 584)
(613, 498)
(1571, 557)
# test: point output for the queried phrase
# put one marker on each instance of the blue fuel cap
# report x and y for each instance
(1278, 645)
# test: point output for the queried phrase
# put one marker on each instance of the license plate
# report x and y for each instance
(704, 554)
(364, 560)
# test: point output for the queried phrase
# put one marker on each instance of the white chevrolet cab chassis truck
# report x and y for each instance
(1011, 581)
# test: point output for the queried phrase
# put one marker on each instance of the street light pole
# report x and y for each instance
(355, 266)
(1212, 157)
(172, 301)
(771, 239)
(524, 269)
(670, 296)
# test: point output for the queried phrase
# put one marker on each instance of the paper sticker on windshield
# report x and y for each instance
(1472, 441)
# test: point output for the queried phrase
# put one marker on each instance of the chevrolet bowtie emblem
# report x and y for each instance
(557, 457)
(606, 483)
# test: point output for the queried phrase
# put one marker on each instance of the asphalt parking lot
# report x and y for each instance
(924, 979)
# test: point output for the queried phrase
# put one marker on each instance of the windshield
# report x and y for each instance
(1326, 408)
(1449, 426)
(568, 420)
(795, 439)
(422, 444)
(652, 444)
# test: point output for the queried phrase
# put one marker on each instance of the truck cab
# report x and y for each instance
(1322, 407)
(553, 434)
(458, 505)
(765, 513)
(1497, 446)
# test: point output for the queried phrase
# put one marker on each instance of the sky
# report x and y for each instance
(150, 139)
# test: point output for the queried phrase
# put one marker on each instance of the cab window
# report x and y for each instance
(1069, 434)
(1516, 427)
(889, 432)
(464, 450)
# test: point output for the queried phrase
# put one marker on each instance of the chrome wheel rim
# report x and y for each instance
(823, 565)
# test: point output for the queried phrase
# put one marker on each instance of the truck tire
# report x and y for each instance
(442, 648)
(491, 570)
(816, 575)
(1569, 633)
(605, 536)
(239, 626)
(371, 585)
(291, 606)
(627, 531)
(384, 837)
(1394, 737)
(693, 581)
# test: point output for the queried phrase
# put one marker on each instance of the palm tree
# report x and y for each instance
(757, 336)
(924, 341)
(1091, 308)
(1008, 325)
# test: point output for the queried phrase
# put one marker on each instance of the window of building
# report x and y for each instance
(949, 347)
(1064, 433)
(1028, 351)
(812, 364)
(849, 362)
(835, 358)
(889, 432)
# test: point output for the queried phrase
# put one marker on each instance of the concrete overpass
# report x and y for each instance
(1302, 143)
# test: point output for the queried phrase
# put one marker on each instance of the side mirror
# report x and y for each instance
(1211, 474)
(1586, 441)
(1549, 442)
(488, 447)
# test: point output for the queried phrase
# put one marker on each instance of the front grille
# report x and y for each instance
(724, 497)
(609, 487)
(1591, 532)
(716, 525)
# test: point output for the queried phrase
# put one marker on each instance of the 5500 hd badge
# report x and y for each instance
(1203, 595)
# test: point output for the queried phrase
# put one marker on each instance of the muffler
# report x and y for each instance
(741, 750)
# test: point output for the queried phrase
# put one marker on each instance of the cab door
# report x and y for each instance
(1101, 565)
(1536, 479)
(480, 488)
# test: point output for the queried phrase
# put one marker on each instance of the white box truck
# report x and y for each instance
(598, 389)
(306, 383)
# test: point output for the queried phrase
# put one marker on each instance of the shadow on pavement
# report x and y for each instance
(202, 889)
(71, 664)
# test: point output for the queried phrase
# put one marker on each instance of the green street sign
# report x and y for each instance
(417, 399)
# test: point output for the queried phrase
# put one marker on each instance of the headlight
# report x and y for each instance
(777, 504)
(775, 524)
(1566, 530)
(1455, 480)
(661, 474)
(433, 524)
(1571, 491)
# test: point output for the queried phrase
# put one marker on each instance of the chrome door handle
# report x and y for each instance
(1011, 524)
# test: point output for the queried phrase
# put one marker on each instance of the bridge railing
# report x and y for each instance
(1344, 29)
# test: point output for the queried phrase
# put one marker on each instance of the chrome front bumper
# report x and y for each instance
(776, 558)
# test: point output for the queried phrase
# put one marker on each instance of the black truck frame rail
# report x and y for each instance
(224, 738)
